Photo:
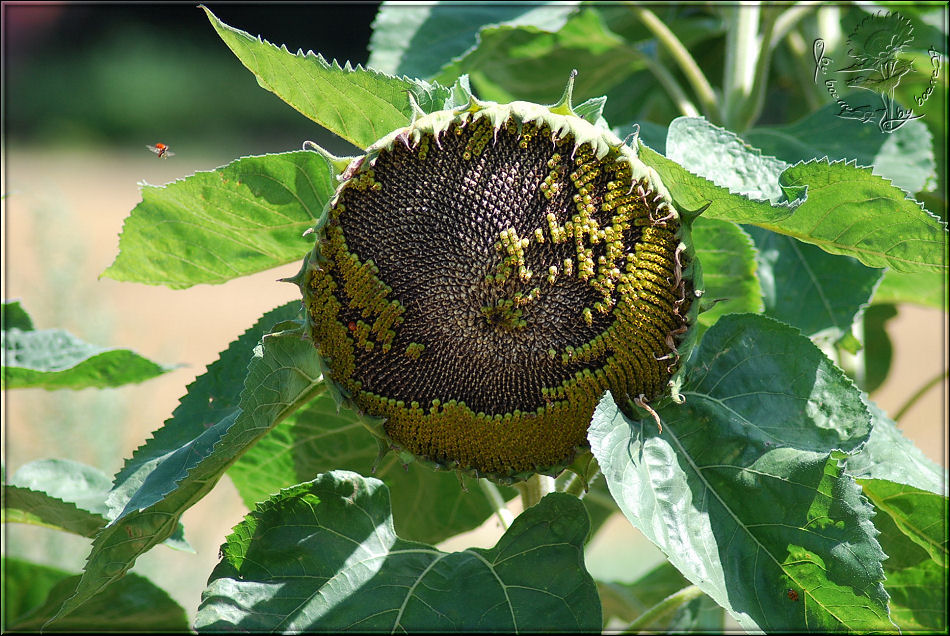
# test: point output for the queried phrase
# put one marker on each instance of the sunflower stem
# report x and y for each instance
(689, 67)
(919, 394)
(662, 609)
(497, 502)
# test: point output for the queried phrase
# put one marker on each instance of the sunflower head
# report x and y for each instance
(482, 276)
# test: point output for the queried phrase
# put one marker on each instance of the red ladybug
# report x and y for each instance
(792, 594)
(161, 150)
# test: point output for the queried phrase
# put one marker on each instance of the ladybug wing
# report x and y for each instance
(153, 149)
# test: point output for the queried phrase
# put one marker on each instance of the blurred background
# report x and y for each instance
(85, 88)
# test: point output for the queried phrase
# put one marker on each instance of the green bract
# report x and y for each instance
(484, 274)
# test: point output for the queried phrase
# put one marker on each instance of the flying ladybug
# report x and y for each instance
(161, 150)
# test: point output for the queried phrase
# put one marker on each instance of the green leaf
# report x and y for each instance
(324, 556)
(360, 105)
(65, 495)
(727, 255)
(693, 194)
(916, 582)
(891, 456)
(532, 63)
(246, 217)
(818, 292)
(428, 505)
(905, 157)
(743, 489)
(25, 586)
(213, 396)
(851, 211)
(284, 373)
(55, 359)
(417, 41)
(57, 493)
(922, 288)
(15, 317)
(840, 207)
(919, 514)
(135, 605)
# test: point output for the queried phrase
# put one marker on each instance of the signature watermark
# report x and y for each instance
(874, 48)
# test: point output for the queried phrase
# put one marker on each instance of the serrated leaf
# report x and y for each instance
(213, 396)
(530, 63)
(720, 156)
(919, 514)
(211, 227)
(360, 105)
(283, 374)
(728, 258)
(323, 556)
(916, 583)
(905, 157)
(15, 317)
(808, 288)
(428, 505)
(135, 605)
(55, 359)
(744, 491)
(891, 456)
(417, 41)
(851, 211)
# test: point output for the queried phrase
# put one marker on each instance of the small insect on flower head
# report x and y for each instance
(161, 150)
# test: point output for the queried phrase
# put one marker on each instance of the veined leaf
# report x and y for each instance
(56, 359)
(808, 288)
(135, 605)
(283, 374)
(744, 490)
(905, 157)
(913, 533)
(417, 40)
(891, 456)
(246, 217)
(213, 396)
(428, 505)
(360, 105)
(840, 207)
(728, 256)
(523, 61)
(323, 556)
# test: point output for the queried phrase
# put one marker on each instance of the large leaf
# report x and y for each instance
(418, 40)
(923, 288)
(284, 373)
(531, 63)
(135, 605)
(360, 105)
(913, 527)
(243, 218)
(323, 556)
(213, 396)
(56, 359)
(840, 207)
(891, 456)
(428, 505)
(818, 292)
(744, 489)
(905, 157)
(728, 256)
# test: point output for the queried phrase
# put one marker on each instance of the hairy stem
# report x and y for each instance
(742, 55)
(664, 608)
(689, 67)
